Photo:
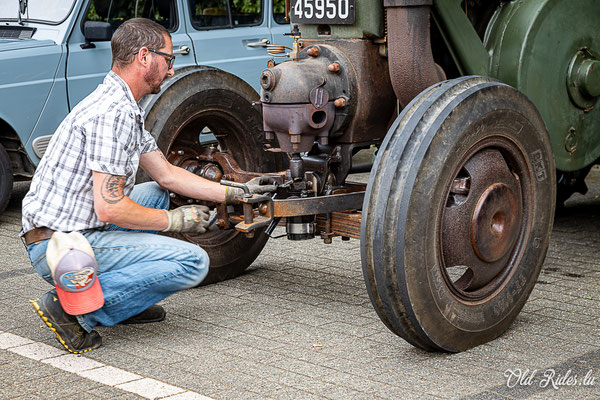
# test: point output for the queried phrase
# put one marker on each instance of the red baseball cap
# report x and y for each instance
(75, 273)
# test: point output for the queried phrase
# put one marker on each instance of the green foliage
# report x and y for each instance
(92, 14)
(247, 6)
(121, 10)
(278, 6)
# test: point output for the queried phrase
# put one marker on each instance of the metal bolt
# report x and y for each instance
(263, 209)
(339, 103)
(172, 195)
(180, 152)
(313, 51)
(327, 240)
(335, 67)
(190, 201)
(461, 185)
(571, 141)
(268, 80)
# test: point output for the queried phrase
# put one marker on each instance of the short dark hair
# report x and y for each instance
(134, 34)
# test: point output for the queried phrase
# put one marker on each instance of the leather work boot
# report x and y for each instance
(153, 313)
(66, 328)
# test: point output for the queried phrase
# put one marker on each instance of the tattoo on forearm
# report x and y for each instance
(112, 188)
(162, 155)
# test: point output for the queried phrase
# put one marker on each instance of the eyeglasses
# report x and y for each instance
(169, 57)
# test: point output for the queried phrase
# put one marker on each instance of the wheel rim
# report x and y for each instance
(485, 219)
(184, 148)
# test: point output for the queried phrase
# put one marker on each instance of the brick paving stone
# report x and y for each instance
(263, 355)
(187, 396)
(287, 393)
(339, 392)
(54, 386)
(150, 388)
(110, 393)
(307, 368)
(38, 351)
(235, 394)
(254, 369)
(72, 363)
(109, 375)
(404, 394)
(302, 382)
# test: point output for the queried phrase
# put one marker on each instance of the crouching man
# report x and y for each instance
(85, 182)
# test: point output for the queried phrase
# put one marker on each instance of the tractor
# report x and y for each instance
(485, 117)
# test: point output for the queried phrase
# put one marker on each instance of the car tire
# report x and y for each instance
(6, 179)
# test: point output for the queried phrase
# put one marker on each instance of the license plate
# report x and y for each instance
(331, 12)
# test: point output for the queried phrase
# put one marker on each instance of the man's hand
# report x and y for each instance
(258, 185)
(188, 219)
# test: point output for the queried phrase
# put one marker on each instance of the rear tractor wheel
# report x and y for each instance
(210, 103)
(458, 214)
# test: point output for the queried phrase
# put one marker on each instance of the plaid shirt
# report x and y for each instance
(105, 133)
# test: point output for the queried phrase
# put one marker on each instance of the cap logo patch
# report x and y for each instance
(77, 281)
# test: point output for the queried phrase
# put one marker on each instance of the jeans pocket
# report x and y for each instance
(37, 257)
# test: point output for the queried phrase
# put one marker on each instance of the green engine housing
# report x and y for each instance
(549, 50)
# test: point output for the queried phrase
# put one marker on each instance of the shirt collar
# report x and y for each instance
(113, 79)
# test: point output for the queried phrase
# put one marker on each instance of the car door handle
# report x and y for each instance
(182, 50)
(261, 43)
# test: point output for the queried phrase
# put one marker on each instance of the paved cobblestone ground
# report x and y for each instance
(299, 325)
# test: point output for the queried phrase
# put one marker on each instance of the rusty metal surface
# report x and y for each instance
(356, 78)
(496, 222)
(287, 10)
(411, 64)
(317, 205)
(297, 125)
(489, 213)
(250, 218)
(355, 186)
(374, 102)
(291, 82)
(231, 170)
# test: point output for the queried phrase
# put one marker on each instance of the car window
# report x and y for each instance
(209, 13)
(118, 11)
(279, 12)
(43, 11)
(246, 12)
(225, 13)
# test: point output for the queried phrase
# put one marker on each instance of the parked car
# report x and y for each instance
(53, 53)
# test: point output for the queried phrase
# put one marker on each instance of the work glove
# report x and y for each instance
(258, 185)
(193, 219)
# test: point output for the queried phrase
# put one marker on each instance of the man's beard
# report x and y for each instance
(152, 79)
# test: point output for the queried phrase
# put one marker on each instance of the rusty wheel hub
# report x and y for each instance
(484, 204)
(192, 161)
(494, 227)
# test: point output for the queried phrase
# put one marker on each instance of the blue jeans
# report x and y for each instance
(136, 269)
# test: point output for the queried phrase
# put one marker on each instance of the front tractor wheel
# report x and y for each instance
(458, 214)
(200, 103)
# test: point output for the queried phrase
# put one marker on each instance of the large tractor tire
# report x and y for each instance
(6, 179)
(458, 213)
(210, 98)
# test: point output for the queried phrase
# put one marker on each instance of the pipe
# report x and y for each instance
(410, 58)
(361, 168)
